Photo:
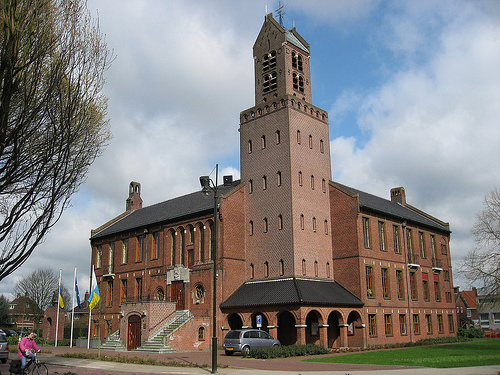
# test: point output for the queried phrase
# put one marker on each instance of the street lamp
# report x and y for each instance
(208, 185)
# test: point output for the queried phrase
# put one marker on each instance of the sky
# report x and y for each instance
(412, 90)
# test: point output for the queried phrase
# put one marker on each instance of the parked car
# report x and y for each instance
(2, 332)
(4, 348)
(242, 340)
(10, 332)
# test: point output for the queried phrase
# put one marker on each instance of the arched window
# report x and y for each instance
(326, 227)
(323, 185)
(173, 247)
(302, 221)
(314, 224)
(263, 141)
(266, 269)
(250, 146)
(321, 146)
(328, 270)
(201, 333)
(280, 222)
(250, 228)
(270, 82)
(298, 137)
(278, 178)
(264, 182)
(304, 270)
(278, 137)
(312, 182)
(300, 178)
(316, 271)
(310, 142)
(252, 271)
(250, 186)
(282, 267)
(266, 227)
(201, 242)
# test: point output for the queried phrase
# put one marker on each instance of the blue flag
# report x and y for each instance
(77, 294)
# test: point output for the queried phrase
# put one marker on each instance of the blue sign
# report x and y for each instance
(258, 319)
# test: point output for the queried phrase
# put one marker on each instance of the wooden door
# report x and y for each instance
(178, 294)
(134, 332)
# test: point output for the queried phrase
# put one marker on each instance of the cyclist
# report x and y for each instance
(26, 347)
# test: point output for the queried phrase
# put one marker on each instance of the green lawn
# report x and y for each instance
(474, 353)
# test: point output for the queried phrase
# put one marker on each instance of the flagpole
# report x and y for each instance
(58, 303)
(72, 311)
(90, 310)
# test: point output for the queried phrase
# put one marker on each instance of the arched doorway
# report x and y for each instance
(235, 321)
(287, 332)
(312, 330)
(264, 321)
(334, 339)
(354, 334)
(134, 332)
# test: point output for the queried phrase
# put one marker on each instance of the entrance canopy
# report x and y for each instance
(295, 291)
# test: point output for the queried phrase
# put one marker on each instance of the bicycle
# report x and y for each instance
(35, 367)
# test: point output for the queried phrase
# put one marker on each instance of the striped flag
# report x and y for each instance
(94, 292)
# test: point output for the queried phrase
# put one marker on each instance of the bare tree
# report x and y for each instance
(481, 266)
(40, 285)
(53, 120)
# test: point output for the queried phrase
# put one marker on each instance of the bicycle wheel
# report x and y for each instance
(39, 369)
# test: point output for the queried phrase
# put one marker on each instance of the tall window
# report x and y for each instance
(402, 324)
(138, 288)
(250, 149)
(269, 61)
(312, 182)
(278, 137)
(385, 283)
(302, 222)
(428, 323)
(433, 246)
(250, 228)
(111, 257)
(321, 146)
(422, 244)
(300, 178)
(326, 226)
(98, 257)
(451, 323)
(266, 269)
(395, 233)
(416, 324)
(282, 267)
(123, 291)
(270, 82)
(437, 290)
(109, 297)
(202, 242)
(425, 285)
(413, 285)
(381, 235)
(156, 245)
(173, 247)
(266, 227)
(366, 232)
(388, 324)
(314, 224)
(409, 241)
(252, 271)
(370, 292)
(440, 323)
(323, 185)
(401, 286)
(298, 137)
(125, 251)
(278, 178)
(139, 249)
(263, 142)
(304, 270)
(264, 182)
(250, 186)
(372, 324)
(316, 270)
(310, 141)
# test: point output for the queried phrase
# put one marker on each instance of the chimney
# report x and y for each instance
(398, 195)
(134, 200)
(228, 180)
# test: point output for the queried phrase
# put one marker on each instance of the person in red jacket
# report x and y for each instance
(26, 348)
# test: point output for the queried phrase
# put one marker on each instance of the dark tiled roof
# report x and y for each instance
(173, 209)
(295, 291)
(373, 203)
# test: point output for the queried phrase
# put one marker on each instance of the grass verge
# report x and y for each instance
(474, 353)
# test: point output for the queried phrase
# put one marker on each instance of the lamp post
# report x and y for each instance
(207, 184)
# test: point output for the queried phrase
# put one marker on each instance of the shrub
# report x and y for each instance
(470, 332)
(287, 351)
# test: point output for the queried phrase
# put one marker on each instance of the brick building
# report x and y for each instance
(318, 261)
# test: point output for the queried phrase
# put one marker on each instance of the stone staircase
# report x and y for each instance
(157, 342)
(113, 342)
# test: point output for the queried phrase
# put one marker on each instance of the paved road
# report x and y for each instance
(235, 365)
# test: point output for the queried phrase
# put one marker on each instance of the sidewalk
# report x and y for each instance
(233, 365)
